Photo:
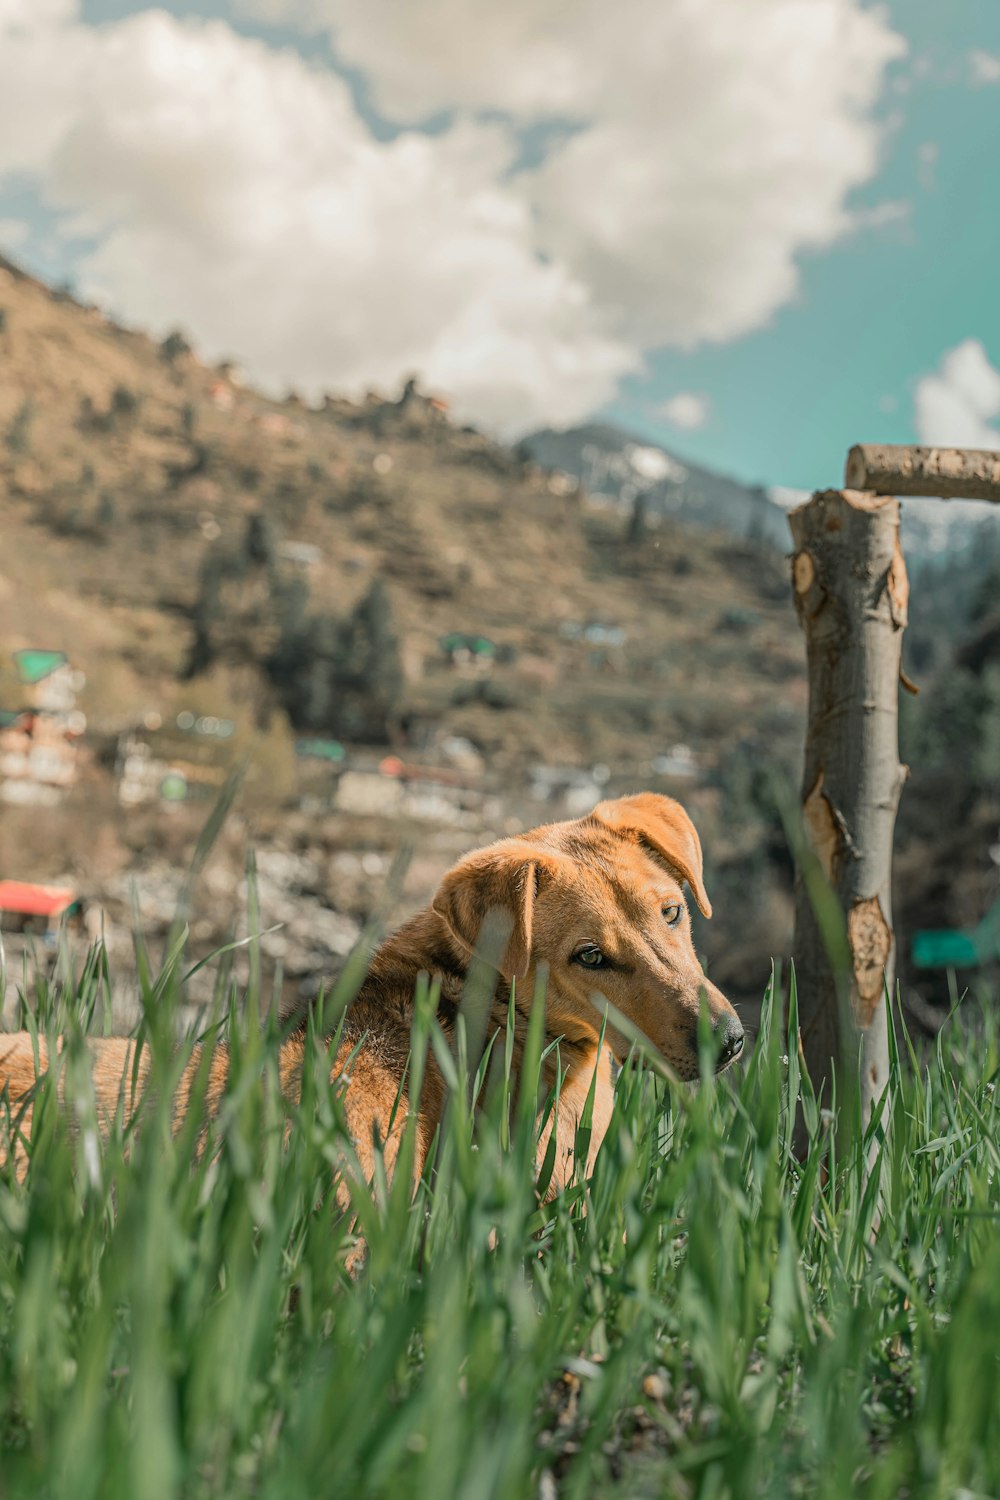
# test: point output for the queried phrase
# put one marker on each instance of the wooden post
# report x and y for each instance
(851, 594)
(948, 473)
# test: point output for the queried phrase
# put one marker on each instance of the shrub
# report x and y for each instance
(174, 346)
(19, 431)
(125, 404)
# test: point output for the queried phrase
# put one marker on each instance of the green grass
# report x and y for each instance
(708, 1317)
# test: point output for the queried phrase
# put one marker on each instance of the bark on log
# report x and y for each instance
(948, 473)
(851, 594)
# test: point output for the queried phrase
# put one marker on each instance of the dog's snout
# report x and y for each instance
(731, 1036)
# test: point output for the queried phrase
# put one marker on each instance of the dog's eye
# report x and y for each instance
(672, 915)
(591, 958)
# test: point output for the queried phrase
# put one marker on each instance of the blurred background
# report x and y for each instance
(404, 400)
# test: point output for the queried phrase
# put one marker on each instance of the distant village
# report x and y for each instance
(163, 763)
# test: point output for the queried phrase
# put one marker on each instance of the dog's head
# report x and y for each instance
(600, 902)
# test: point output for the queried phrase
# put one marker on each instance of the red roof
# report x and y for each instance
(35, 900)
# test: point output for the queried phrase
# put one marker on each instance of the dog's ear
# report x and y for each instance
(665, 828)
(490, 895)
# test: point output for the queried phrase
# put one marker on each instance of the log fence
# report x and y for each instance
(851, 593)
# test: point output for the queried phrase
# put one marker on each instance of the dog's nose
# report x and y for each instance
(730, 1036)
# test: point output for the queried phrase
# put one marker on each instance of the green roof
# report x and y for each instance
(478, 645)
(947, 948)
(320, 749)
(35, 666)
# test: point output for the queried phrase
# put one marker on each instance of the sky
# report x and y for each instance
(755, 231)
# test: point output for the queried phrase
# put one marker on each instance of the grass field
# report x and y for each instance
(708, 1317)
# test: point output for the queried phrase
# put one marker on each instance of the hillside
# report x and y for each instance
(130, 474)
(338, 585)
(123, 469)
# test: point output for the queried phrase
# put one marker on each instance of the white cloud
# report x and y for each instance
(717, 142)
(25, 16)
(687, 410)
(13, 232)
(37, 80)
(233, 188)
(984, 68)
(959, 405)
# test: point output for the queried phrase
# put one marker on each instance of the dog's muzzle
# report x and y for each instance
(731, 1038)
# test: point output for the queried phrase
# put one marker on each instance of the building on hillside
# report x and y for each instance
(232, 371)
(40, 737)
(180, 762)
(222, 395)
(301, 554)
(417, 404)
(49, 681)
(36, 921)
(38, 760)
(315, 748)
(38, 910)
(477, 652)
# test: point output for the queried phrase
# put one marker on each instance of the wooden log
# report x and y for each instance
(948, 473)
(851, 595)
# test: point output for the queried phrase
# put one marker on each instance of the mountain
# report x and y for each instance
(626, 471)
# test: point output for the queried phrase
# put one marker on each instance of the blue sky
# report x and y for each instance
(878, 311)
(469, 242)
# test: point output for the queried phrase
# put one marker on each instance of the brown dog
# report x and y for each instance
(598, 902)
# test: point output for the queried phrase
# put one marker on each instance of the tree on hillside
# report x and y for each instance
(173, 346)
(638, 521)
(333, 675)
(19, 431)
(231, 614)
(259, 546)
(372, 690)
(125, 405)
(341, 677)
